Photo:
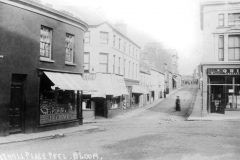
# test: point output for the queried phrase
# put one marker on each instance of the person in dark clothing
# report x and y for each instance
(178, 108)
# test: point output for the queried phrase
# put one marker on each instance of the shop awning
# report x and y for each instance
(67, 81)
(139, 89)
(108, 84)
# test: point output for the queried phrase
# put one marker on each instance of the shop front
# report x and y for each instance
(59, 98)
(108, 99)
(222, 92)
(137, 93)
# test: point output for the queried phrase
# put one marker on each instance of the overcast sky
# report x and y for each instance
(175, 23)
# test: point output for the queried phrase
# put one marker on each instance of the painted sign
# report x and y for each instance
(50, 118)
(223, 71)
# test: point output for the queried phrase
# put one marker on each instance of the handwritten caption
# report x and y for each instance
(48, 156)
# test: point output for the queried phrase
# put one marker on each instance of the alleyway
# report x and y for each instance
(158, 133)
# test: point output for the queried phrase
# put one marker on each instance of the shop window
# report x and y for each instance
(69, 48)
(56, 105)
(45, 43)
(115, 102)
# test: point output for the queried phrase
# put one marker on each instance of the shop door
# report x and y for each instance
(15, 109)
(217, 99)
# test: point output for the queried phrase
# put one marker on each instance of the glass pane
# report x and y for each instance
(220, 43)
(237, 52)
(231, 41)
(236, 41)
(230, 54)
(105, 41)
(229, 80)
(220, 23)
(220, 55)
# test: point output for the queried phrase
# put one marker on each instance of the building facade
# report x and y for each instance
(108, 50)
(41, 53)
(220, 76)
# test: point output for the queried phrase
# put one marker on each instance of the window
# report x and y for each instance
(129, 49)
(114, 38)
(133, 52)
(234, 48)
(87, 37)
(133, 70)
(119, 45)
(86, 62)
(103, 62)
(221, 20)
(104, 37)
(234, 19)
(124, 47)
(136, 71)
(69, 48)
(114, 63)
(221, 48)
(45, 43)
(129, 67)
(55, 103)
(119, 65)
(124, 67)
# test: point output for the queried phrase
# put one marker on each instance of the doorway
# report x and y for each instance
(15, 114)
(217, 99)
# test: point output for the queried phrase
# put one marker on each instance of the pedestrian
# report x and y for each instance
(178, 108)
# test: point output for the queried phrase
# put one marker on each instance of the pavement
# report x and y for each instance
(14, 138)
(197, 115)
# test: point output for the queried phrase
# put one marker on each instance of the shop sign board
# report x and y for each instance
(223, 71)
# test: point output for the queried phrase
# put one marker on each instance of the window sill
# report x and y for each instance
(46, 60)
(70, 64)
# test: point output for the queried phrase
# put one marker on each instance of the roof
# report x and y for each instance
(47, 11)
(95, 19)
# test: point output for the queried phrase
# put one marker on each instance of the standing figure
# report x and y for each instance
(178, 108)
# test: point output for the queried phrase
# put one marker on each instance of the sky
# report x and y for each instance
(174, 23)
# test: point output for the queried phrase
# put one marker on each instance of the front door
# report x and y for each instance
(15, 109)
(217, 99)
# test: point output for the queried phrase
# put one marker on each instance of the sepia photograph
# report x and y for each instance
(119, 80)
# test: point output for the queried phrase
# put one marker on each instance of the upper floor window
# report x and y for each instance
(221, 20)
(45, 43)
(234, 48)
(69, 48)
(234, 19)
(104, 37)
(86, 62)
(124, 47)
(103, 62)
(119, 45)
(221, 48)
(129, 49)
(133, 52)
(114, 39)
(114, 63)
(119, 64)
(87, 37)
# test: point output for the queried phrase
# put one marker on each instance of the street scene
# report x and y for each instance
(159, 132)
(119, 80)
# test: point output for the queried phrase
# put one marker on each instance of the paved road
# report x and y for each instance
(159, 133)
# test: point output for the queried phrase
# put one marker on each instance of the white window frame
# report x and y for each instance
(69, 48)
(45, 40)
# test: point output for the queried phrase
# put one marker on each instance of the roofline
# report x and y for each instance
(46, 11)
(106, 22)
(203, 4)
